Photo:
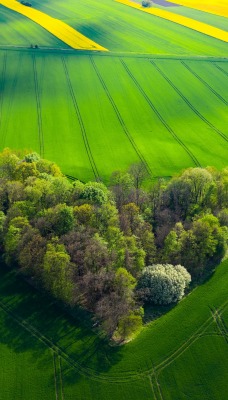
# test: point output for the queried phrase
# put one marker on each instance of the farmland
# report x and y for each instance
(69, 360)
(158, 96)
(154, 119)
(109, 110)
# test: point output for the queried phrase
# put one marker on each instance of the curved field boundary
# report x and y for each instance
(217, 7)
(38, 106)
(58, 28)
(121, 121)
(160, 117)
(189, 103)
(80, 120)
(204, 83)
(181, 20)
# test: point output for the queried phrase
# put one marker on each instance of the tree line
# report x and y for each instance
(111, 249)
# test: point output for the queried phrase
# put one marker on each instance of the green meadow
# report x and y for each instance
(93, 113)
(47, 354)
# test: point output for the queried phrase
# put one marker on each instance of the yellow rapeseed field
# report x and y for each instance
(58, 28)
(179, 19)
(218, 7)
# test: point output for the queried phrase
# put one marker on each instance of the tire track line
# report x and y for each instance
(160, 117)
(220, 69)
(11, 99)
(152, 387)
(88, 372)
(61, 378)
(2, 85)
(84, 371)
(55, 376)
(190, 105)
(38, 107)
(204, 83)
(80, 120)
(196, 335)
(121, 121)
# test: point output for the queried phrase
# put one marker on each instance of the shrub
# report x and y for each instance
(163, 283)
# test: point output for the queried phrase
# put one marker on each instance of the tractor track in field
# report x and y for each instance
(195, 336)
(38, 107)
(155, 110)
(11, 97)
(115, 379)
(204, 83)
(120, 119)
(220, 69)
(55, 377)
(84, 371)
(2, 85)
(80, 120)
(190, 105)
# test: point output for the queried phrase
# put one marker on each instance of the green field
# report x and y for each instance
(159, 96)
(45, 354)
(93, 114)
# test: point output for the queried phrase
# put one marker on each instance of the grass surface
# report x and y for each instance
(46, 354)
(96, 114)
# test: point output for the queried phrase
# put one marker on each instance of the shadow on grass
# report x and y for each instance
(47, 327)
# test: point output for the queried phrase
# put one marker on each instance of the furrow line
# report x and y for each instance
(55, 376)
(80, 120)
(165, 124)
(121, 121)
(152, 387)
(190, 105)
(38, 107)
(2, 85)
(11, 97)
(204, 83)
(220, 69)
(61, 377)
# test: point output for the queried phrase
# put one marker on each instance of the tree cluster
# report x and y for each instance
(90, 245)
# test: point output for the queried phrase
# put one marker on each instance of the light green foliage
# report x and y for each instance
(13, 237)
(128, 327)
(32, 157)
(95, 192)
(56, 272)
(163, 284)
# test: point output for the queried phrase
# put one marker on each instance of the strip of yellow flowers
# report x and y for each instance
(58, 28)
(217, 7)
(179, 19)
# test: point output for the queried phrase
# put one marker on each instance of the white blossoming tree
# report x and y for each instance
(163, 283)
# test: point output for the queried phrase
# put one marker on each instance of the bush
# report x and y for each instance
(146, 3)
(163, 283)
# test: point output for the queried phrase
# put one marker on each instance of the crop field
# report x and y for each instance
(217, 7)
(45, 354)
(179, 19)
(56, 27)
(106, 112)
(159, 95)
